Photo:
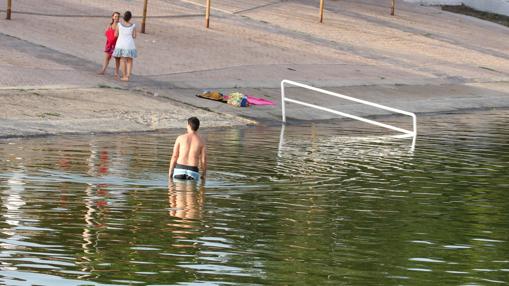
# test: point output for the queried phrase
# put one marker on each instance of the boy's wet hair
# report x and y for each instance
(194, 123)
(127, 16)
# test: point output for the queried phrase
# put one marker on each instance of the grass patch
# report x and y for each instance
(107, 86)
(465, 10)
(49, 114)
(486, 68)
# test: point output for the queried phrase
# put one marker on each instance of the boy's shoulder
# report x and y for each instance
(202, 139)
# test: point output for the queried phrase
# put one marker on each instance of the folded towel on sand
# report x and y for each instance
(258, 101)
(254, 100)
(212, 95)
(235, 98)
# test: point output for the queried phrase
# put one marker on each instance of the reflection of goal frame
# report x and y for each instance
(406, 133)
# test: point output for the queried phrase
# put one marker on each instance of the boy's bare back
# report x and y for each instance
(190, 148)
(189, 154)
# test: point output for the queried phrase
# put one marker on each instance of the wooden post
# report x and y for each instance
(393, 7)
(321, 10)
(207, 14)
(9, 9)
(144, 20)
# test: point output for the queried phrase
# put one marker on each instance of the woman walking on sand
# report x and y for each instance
(111, 40)
(125, 48)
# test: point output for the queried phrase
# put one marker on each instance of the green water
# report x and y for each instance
(326, 206)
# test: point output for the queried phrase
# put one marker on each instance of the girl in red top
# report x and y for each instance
(111, 40)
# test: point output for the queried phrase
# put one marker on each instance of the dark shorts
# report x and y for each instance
(184, 172)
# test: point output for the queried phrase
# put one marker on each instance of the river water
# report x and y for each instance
(319, 204)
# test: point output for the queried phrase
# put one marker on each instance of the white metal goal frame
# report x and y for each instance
(406, 133)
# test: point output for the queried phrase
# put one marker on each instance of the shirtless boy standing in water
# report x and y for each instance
(188, 153)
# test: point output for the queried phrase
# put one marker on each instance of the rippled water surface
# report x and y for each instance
(324, 205)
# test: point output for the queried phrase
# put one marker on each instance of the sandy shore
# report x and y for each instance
(38, 112)
(423, 59)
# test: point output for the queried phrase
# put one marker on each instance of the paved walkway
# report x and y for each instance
(423, 59)
(252, 44)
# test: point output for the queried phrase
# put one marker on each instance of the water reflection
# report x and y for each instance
(12, 202)
(356, 141)
(186, 199)
(335, 207)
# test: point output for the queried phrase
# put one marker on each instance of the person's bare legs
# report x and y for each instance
(129, 67)
(117, 67)
(123, 67)
(106, 61)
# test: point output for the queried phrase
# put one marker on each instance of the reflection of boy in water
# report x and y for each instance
(188, 152)
(185, 200)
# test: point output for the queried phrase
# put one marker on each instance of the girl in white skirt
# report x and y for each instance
(125, 48)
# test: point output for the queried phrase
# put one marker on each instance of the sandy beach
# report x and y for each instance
(423, 59)
(100, 110)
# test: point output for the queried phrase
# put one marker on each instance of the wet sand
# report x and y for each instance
(40, 112)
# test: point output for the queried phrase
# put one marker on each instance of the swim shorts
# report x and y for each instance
(184, 172)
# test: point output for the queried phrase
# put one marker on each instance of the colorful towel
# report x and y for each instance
(212, 95)
(254, 100)
(258, 101)
(237, 99)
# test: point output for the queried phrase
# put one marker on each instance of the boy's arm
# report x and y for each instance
(203, 161)
(174, 157)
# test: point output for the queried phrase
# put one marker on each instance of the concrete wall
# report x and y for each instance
(493, 6)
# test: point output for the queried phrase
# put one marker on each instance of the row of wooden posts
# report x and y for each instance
(207, 12)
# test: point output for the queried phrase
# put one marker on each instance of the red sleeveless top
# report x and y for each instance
(111, 40)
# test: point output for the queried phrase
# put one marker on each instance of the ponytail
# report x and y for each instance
(127, 16)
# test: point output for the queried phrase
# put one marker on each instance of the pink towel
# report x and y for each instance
(258, 101)
(254, 100)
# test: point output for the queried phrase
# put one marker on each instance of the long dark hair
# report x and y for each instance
(127, 16)
(113, 20)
